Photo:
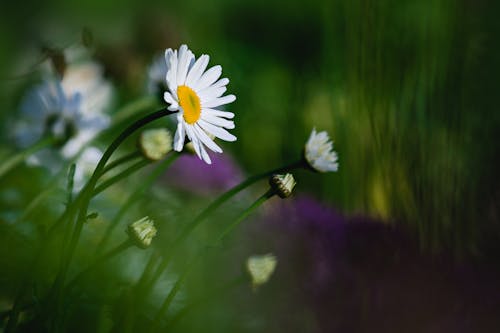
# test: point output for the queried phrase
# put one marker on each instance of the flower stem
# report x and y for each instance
(10, 163)
(133, 198)
(212, 207)
(213, 294)
(86, 195)
(173, 292)
(107, 183)
(124, 159)
(110, 254)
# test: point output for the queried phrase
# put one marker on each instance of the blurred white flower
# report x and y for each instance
(319, 152)
(197, 93)
(71, 110)
(157, 72)
(85, 166)
(260, 268)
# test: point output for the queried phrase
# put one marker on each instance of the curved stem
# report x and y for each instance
(107, 183)
(206, 299)
(9, 164)
(212, 207)
(133, 198)
(263, 198)
(124, 159)
(173, 292)
(86, 194)
(110, 254)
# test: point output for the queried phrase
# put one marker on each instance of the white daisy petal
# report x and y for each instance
(204, 155)
(194, 140)
(218, 113)
(205, 139)
(185, 57)
(211, 93)
(216, 131)
(169, 98)
(197, 70)
(209, 77)
(219, 101)
(171, 59)
(214, 120)
(179, 137)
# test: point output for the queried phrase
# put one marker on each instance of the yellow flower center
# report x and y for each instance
(190, 104)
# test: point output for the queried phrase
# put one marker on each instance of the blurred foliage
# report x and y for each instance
(407, 90)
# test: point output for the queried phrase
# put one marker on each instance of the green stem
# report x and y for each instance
(164, 307)
(263, 198)
(213, 294)
(212, 207)
(9, 164)
(86, 194)
(132, 108)
(134, 197)
(124, 159)
(125, 173)
(110, 254)
(34, 203)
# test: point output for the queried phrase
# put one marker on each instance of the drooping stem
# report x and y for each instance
(173, 292)
(10, 163)
(133, 198)
(85, 196)
(89, 189)
(212, 207)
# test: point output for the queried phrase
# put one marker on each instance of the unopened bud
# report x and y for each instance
(142, 232)
(282, 184)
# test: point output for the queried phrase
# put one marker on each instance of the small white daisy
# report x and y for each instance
(197, 94)
(319, 152)
(70, 110)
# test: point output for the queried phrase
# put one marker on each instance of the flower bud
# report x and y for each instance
(155, 143)
(282, 184)
(141, 232)
(261, 268)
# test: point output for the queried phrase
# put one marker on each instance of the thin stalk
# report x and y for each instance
(86, 194)
(212, 207)
(110, 254)
(124, 159)
(10, 163)
(133, 198)
(173, 292)
(206, 299)
(124, 174)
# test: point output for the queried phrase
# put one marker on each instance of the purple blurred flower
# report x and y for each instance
(191, 174)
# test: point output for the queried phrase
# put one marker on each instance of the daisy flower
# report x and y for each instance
(319, 152)
(71, 110)
(197, 93)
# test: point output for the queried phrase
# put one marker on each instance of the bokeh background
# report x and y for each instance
(405, 237)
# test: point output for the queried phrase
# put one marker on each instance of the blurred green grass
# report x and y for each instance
(407, 90)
